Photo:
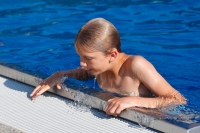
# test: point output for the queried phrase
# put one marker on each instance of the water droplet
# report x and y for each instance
(95, 78)
(143, 120)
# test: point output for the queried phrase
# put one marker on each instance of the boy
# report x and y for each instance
(98, 45)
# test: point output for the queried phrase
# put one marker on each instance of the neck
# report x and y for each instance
(117, 64)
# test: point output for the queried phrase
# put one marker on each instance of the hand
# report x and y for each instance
(116, 105)
(51, 81)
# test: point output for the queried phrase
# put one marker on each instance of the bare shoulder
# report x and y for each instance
(138, 62)
(136, 58)
(138, 65)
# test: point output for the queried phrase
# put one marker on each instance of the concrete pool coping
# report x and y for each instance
(51, 113)
(98, 101)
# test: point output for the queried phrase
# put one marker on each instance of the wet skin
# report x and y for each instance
(132, 76)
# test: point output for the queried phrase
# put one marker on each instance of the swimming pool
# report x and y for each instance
(38, 36)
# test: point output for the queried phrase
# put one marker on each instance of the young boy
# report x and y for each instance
(98, 45)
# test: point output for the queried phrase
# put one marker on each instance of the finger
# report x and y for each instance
(34, 96)
(108, 103)
(35, 90)
(111, 107)
(59, 86)
(112, 99)
(118, 110)
(41, 90)
(107, 106)
(111, 103)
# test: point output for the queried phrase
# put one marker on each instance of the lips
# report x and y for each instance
(89, 70)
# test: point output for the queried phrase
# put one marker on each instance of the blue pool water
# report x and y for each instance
(38, 36)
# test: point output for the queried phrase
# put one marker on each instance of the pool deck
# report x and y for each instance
(52, 113)
(55, 111)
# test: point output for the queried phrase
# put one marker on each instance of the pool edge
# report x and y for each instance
(96, 102)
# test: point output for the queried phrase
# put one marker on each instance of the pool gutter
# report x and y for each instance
(98, 100)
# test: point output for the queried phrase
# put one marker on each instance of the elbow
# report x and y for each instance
(184, 100)
(177, 99)
(181, 100)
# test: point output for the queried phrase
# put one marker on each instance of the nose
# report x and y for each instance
(83, 64)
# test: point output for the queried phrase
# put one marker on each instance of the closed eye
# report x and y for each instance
(88, 58)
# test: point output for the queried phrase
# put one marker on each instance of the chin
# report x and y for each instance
(94, 73)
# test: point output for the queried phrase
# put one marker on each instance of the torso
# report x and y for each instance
(125, 84)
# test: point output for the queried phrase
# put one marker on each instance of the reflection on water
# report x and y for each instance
(181, 113)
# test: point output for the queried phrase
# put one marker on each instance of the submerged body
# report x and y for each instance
(125, 83)
(131, 76)
(98, 45)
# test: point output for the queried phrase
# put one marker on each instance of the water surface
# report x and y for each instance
(38, 36)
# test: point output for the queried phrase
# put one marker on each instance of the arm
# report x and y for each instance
(165, 94)
(78, 73)
(144, 71)
(55, 80)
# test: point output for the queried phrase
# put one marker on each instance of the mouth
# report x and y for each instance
(89, 70)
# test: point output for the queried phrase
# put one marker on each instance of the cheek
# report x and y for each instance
(97, 64)
(102, 64)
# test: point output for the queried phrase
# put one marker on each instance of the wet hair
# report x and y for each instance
(98, 35)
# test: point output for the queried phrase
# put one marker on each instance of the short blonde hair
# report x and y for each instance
(98, 35)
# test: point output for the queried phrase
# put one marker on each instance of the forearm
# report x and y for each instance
(116, 105)
(79, 74)
(158, 102)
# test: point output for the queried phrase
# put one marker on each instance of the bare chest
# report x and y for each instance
(125, 86)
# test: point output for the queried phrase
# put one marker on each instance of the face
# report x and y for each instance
(94, 62)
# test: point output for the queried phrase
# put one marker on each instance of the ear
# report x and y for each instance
(113, 54)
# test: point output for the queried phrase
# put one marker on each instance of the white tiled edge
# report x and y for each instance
(95, 102)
